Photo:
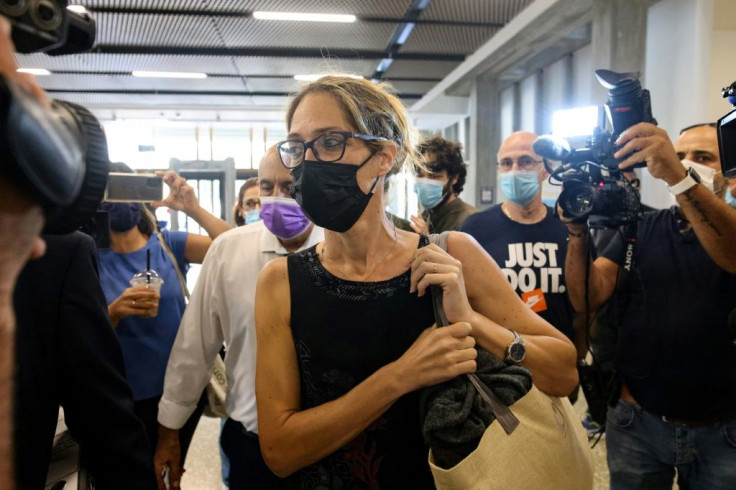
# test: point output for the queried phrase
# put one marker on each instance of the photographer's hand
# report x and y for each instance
(649, 144)
(21, 219)
(9, 68)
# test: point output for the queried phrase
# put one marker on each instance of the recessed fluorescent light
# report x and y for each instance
(304, 17)
(39, 72)
(79, 9)
(317, 76)
(168, 74)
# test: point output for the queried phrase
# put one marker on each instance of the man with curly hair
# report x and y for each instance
(439, 186)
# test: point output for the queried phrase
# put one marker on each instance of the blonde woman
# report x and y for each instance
(345, 329)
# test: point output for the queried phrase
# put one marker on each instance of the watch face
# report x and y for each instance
(517, 352)
(695, 175)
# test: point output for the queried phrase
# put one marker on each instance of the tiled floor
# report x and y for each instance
(203, 460)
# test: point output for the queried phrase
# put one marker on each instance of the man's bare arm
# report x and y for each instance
(602, 272)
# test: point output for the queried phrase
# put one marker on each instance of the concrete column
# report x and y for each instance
(485, 138)
(517, 107)
(678, 64)
(541, 125)
(618, 38)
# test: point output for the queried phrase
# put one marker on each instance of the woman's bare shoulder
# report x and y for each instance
(461, 245)
(275, 270)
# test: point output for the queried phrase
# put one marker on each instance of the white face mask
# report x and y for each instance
(707, 174)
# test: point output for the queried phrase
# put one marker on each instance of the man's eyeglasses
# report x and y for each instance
(523, 163)
(327, 147)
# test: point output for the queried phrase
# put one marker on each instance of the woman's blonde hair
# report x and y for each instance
(372, 108)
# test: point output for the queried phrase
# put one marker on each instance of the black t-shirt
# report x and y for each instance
(533, 259)
(675, 349)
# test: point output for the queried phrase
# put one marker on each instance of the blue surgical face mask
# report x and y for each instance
(252, 216)
(520, 186)
(730, 200)
(429, 192)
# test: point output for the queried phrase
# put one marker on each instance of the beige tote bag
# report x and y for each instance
(548, 449)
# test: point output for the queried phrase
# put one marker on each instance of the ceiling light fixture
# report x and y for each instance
(39, 72)
(304, 17)
(79, 9)
(316, 76)
(168, 74)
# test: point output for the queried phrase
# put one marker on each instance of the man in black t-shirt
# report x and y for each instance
(522, 235)
(675, 351)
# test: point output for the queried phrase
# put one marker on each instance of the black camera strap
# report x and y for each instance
(630, 232)
(601, 386)
(620, 300)
(626, 268)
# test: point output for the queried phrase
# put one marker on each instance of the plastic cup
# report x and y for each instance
(148, 280)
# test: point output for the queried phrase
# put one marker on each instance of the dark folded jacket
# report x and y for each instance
(455, 416)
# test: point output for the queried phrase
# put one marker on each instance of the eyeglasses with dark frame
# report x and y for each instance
(251, 204)
(523, 163)
(327, 147)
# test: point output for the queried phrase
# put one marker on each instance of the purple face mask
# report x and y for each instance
(283, 217)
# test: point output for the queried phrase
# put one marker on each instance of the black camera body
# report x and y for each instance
(727, 134)
(57, 155)
(48, 26)
(594, 190)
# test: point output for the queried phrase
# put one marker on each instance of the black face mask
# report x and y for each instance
(329, 193)
(124, 216)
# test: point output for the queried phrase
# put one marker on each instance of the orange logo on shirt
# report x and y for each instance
(535, 300)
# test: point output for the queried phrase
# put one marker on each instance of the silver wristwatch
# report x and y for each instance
(516, 351)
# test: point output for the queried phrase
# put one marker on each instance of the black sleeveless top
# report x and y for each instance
(343, 332)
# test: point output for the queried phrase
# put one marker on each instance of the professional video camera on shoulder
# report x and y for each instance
(727, 134)
(593, 187)
(57, 155)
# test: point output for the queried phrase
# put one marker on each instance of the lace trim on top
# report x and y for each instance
(353, 290)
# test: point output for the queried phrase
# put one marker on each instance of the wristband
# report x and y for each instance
(691, 180)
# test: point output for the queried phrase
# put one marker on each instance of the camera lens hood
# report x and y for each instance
(47, 153)
(96, 167)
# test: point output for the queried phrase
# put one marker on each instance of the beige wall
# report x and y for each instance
(723, 56)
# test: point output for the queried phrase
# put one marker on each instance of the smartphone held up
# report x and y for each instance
(127, 187)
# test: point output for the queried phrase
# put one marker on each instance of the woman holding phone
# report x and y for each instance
(146, 322)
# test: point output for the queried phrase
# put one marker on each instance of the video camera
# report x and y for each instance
(57, 155)
(593, 187)
(727, 134)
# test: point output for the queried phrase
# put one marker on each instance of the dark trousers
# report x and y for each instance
(147, 411)
(247, 468)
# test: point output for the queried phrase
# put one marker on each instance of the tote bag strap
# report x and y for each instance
(503, 414)
(179, 275)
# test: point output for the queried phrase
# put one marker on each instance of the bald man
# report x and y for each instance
(675, 352)
(221, 311)
(523, 236)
